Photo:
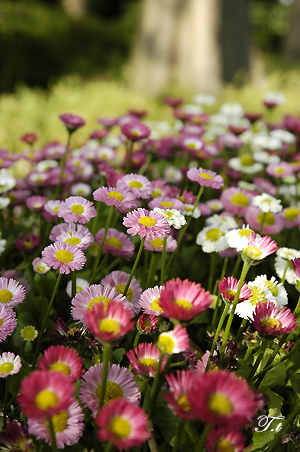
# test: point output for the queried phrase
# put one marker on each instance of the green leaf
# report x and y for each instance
(118, 355)
(165, 419)
(275, 403)
(265, 432)
(274, 377)
(295, 382)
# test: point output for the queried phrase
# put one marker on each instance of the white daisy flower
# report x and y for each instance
(212, 239)
(189, 211)
(232, 109)
(238, 238)
(7, 181)
(275, 96)
(4, 202)
(45, 165)
(267, 203)
(219, 221)
(246, 185)
(264, 157)
(283, 135)
(204, 99)
(279, 294)
(259, 294)
(283, 264)
(80, 189)
(266, 142)
(245, 164)
(173, 216)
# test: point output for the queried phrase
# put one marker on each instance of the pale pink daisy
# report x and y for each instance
(290, 217)
(123, 424)
(77, 209)
(226, 439)
(65, 257)
(11, 292)
(80, 285)
(236, 200)
(8, 322)
(36, 202)
(280, 169)
(62, 359)
(215, 205)
(157, 245)
(9, 364)
(201, 365)
(160, 188)
(270, 320)
(94, 294)
(79, 238)
(149, 301)
(228, 288)
(70, 228)
(165, 202)
(265, 186)
(206, 178)
(258, 248)
(135, 130)
(68, 426)
(39, 266)
(116, 243)
(138, 185)
(273, 223)
(191, 143)
(173, 342)
(177, 397)
(122, 199)
(148, 224)
(53, 207)
(118, 280)
(120, 384)
(144, 359)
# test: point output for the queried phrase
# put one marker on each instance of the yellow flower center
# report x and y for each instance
(5, 296)
(155, 305)
(73, 241)
(64, 256)
(220, 404)
(56, 209)
(269, 218)
(240, 199)
(114, 242)
(109, 326)
(271, 323)
(156, 193)
(40, 268)
(6, 368)
(28, 244)
(214, 234)
(1, 322)
(291, 214)
(60, 421)
(113, 391)
(120, 289)
(119, 427)
(29, 333)
(77, 209)
(231, 292)
(245, 232)
(225, 446)
(279, 170)
(257, 295)
(98, 300)
(205, 176)
(272, 287)
(135, 184)
(165, 344)
(252, 252)
(166, 204)
(246, 160)
(157, 243)
(61, 367)
(183, 402)
(46, 399)
(147, 221)
(181, 302)
(148, 362)
(117, 195)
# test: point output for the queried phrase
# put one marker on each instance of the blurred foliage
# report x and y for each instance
(39, 42)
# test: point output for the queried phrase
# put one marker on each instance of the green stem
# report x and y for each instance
(109, 446)
(240, 330)
(53, 437)
(73, 278)
(245, 270)
(62, 166)
(128, 163)
(163, 262)
(99, 253)
(106, 359)
(155, 386)
(94, 227)
(136, 339)
(5, 402)
(248, 354)
(212, 270)
(201, 443)
(216, 310)
(134, 266)
(262, 223)
(284, 272)
(237, 264)
(258, 359)
(45, 321)
(144, 389)
(297, 308)
(180, 426)
(219, 327)
(152, 270)
(146, 164)
(286, 424)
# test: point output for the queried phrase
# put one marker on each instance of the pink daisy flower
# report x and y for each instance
(150, 301)
(77, 209)
(157, 245)
(138, 185)
(35, 202)
(264, 186)
(122, 199)
(173, 342)
(28, 243)
(191, 143)
(183, 300)
(62, 359)
(118, 280)
(177, 397)
(228, 288)
(135, 130)
(116, 243)
(201, 365)
(123, 424)
(111, 323)
(269, 320)
(68, 426)
(222, 439)
(72, 122)
(296, 267)
(39, 266)
(44, 394)
(222, 398)
(53, 207)
(290, 217)
(65, 257)
(280, 169)
(236, 200)
(160, 188)
(29, 138)
(95, 294)
(148, 224)
(70, 228)
(273, 223)
(120, 384)
(11, 292)
(144, 359)
(148, 323)
(9, 364)
(205, 177)
(8, 322)
(215, 205)
(81, 239)
(164, 202)
(258, 248)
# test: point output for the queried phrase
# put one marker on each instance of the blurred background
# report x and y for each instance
(101, 57)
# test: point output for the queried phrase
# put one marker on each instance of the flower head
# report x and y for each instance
(269, 320)
(116, 243)
(8, 321)
(225, 439)
(148, 224)
(80, 238)
(173, 216)
(228, 288)
(267, 203)
(150, 301)
(122, 199)
(29, 333)
(173, 342)
(147, 323)
(118, 280)
(135, 130)
(258, 248)
(9, 364)
(72, 122)
(11, 292)
(177, 397)
(204, 177)
(138, 185)
(62, 359)
(144, 359)
(65, 257)
(77, 209)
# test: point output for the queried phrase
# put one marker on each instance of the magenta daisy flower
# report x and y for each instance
(65, 257)
(68, 426)
(148, 224)
(120, 384)
(111, 323)
(228, 288)
(273, 223)
(236, 200)
(11, 292)
(116, 243)
(44, 394)
(191, 143)
(150, 301)
(205, 177)
(157, 245)
(94, 294)
(177, 397)
(160, 188)
(8, 322)
(29, 138)
(258, 248)
(123, 424)
(62, 359)
(183, 300)
(296, 266)
(118, 280)
(9, 364)
(173, 342)
(35, 202)
(165, 202)
(222, 399)
(144, 359)
(223, 439)
(148, 323)
(122, 199)
(28, 243)
(135, 130)
(81, 239)
(138, 185)
(269, 320)
(53, 207)
(72, 122)
(77, 209)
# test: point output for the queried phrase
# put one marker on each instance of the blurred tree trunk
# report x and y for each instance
(292, 44)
